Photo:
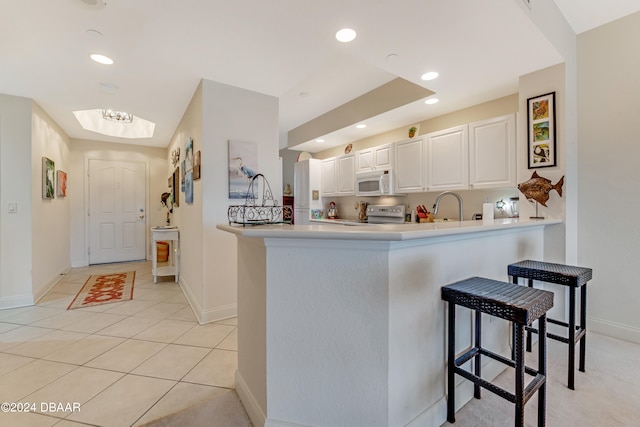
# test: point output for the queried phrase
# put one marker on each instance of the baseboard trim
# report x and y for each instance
(218, 313)
(37, 296)
(613, 329)
(16, 301)
(209, 315)
(255, 412)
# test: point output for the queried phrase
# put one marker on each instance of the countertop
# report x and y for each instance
(388, 232)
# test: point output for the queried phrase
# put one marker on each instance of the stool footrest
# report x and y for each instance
(464, 358)
(531, 388)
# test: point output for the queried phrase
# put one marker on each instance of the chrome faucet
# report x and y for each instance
(456, 195)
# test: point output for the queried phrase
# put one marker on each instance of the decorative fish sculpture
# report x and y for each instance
(537, 188)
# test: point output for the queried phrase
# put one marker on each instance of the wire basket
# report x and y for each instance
(267, 211)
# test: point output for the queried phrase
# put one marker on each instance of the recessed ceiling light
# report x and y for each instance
(431, 101)
(392, 56)
(108, 87)
(430, 75)
(319, 140)
(361, 126)
(102, 59)
(346, 35)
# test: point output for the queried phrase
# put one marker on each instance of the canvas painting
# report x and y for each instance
(48, 174)
(243, 166)
(61, 184)
(188, 155)
(188, 187)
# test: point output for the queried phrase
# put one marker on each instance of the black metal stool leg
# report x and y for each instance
(530, 284)
(519, 361)
(451, 354)
(583, 326)
(514, 279)
(542, 369)
(572, 337)
(478, 344)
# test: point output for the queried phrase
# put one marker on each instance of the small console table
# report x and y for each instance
(172, 235)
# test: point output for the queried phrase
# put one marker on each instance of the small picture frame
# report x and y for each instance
(61, 183)
(48, 178)
(541, 130)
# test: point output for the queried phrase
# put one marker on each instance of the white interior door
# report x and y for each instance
(117, 217)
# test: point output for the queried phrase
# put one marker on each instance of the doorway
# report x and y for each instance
(117, 217)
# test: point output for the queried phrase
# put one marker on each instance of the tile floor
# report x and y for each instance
(123, 363)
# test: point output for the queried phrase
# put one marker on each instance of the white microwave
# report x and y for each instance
(374, 183)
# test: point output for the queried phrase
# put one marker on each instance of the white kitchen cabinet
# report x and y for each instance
(328, 182)
(447, 154)
(409, 166)
(345, 173)
(492, 153)
(380, 157)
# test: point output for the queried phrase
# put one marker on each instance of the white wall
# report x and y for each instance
(15, 187)
(81, 152)
(50, 218)
(218, 113)
(189, 216)
(608, 204)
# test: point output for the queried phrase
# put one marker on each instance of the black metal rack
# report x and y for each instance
(267, 211)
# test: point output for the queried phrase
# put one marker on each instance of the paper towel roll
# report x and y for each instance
(487, 211)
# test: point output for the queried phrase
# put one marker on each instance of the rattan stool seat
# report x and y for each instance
(567, 275)
(518, 304)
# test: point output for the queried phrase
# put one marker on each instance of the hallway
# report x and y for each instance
(121, 364)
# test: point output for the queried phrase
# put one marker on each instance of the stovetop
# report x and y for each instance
(382, 214)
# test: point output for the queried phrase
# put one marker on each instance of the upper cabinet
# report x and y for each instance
(380, 157)
(346, 179)
(492, 153)
(328, 181)
(409, 166)
(447, 154)
(338, 176)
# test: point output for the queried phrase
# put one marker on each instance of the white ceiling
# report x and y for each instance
(162, 48)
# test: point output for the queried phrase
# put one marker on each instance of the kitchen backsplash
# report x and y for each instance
(472, 202)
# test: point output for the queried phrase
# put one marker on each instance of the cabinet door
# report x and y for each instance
(448, 159)
(492, 153)
(346, 175)
(409, 166)
(383, 156)
(328, 174)
(365, 160)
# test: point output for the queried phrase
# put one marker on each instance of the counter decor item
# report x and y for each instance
(257, 212)
(536, 189)
(541, 129)
(348, 149)
(332, 212)
(412, 131)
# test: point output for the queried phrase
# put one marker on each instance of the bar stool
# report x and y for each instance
(573, 277)
(521, 306)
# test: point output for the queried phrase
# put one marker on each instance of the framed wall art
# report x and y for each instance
(48, 175)
(541, 129)
(61, 183)
(196, 166)
(243, 166)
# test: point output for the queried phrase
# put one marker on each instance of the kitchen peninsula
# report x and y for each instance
(344, 326)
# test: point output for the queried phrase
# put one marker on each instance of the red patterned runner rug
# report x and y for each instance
(105, 288)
